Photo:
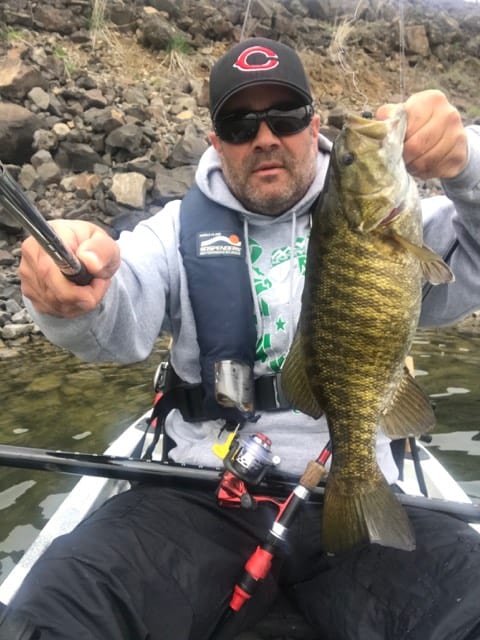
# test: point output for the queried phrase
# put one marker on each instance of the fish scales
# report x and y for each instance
(356, 321)
(360, 310)
(353, 331)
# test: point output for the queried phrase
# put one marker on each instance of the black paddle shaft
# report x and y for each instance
(189, 476)
(29, 217)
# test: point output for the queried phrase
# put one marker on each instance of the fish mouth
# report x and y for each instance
(376, 129)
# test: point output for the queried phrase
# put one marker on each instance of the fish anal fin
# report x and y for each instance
(374, 516)
(295, 383)
(434, 269)
(410, 412)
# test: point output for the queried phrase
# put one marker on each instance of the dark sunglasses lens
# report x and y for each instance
(243, 128)
(287, 123)
(237, 129)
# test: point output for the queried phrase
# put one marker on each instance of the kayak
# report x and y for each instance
(91, 491)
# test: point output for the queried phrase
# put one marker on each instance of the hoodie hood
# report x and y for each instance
(209, 178)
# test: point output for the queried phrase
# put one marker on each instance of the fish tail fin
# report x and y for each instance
(369, 514)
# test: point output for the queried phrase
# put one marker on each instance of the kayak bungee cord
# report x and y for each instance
(29, 217)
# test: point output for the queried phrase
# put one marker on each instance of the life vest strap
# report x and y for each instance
(189, 398)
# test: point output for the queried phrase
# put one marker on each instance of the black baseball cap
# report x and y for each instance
(256, 61)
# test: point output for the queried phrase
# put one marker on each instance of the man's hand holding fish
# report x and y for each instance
(435, 143)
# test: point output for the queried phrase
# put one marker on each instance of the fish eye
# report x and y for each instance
(348, 158)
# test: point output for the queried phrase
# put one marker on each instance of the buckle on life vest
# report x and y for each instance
(160, 377)
(268, 393)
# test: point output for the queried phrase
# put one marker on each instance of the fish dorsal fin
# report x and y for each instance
(410, 412)
(295, 383)
(434, 269)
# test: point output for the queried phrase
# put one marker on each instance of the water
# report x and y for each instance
(447, 366)
(52, 400)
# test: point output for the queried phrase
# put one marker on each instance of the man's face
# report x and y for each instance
(270, 173)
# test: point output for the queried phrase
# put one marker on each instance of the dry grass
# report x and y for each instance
(338, 53)
(97, 20)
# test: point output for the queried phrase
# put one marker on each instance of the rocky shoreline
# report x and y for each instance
(105, 117)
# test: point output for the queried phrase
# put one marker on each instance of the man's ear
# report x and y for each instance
(215, 141)
(316, 125)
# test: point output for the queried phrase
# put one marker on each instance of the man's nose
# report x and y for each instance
(265, 136)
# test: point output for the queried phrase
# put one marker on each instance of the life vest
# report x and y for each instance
(213, 249)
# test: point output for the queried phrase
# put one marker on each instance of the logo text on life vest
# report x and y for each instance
(211, 244)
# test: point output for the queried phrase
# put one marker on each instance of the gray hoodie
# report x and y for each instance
(149, 295)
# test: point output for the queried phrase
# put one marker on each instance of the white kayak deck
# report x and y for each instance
(90, 492)
(86, 496)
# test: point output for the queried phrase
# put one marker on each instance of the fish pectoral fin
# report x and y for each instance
(370, 515)
(410, 412)
(295, 383)
(434, 269)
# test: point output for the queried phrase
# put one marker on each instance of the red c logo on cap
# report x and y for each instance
(271, 59)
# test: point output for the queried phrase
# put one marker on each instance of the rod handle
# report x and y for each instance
(82, 278)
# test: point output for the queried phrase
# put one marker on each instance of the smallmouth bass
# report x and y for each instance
(360, 309)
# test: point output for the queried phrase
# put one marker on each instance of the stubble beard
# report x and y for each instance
(271, 202)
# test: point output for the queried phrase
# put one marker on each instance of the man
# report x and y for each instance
(223, 274)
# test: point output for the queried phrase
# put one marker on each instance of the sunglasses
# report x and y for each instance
(237, 128)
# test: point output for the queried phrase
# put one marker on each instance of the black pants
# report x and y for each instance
(160, 564)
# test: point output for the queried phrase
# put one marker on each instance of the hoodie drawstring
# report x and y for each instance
(256, 303)
(293, 257)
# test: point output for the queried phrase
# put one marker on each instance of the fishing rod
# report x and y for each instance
(125, 468)
(29, 217)
(190, 476)
(259, 564)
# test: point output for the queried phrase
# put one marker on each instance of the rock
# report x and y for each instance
(40, 98)
(17, 78)
(61, 20)
(15, 331)
(128, 137)
(104, 120)
(157, 32)
(84, 184)
(416, 40)
(41, 157)
(76, 156)
(129, 189)
(49, 173)
(61, 130)
(17, 128)
(28, 177)
(21, 317)
(43, 384)
(171, 184)
(8, 223)
(188, 149)
(44, 139)
(12, 307)
(6, 258)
